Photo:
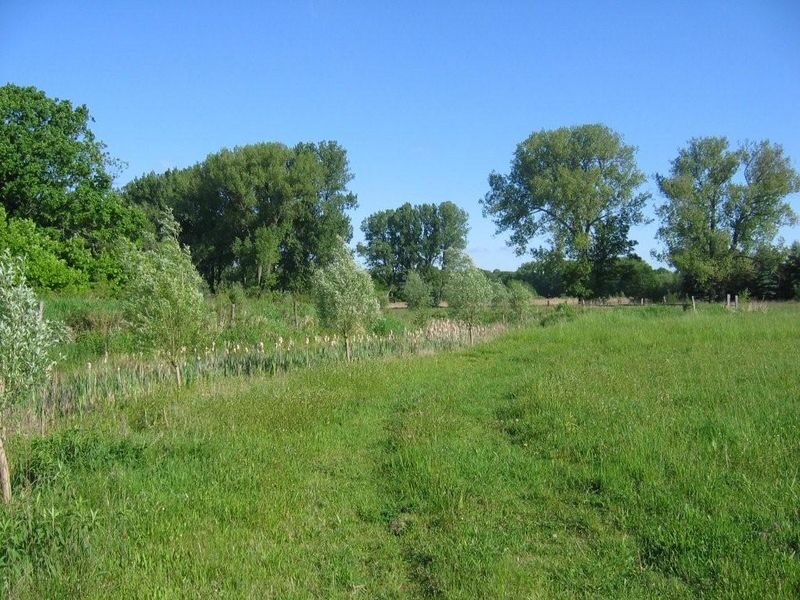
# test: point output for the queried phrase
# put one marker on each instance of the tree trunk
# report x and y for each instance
(347, 347)
(469, 328)
(294, 310)
(260, 272)
(5, 474)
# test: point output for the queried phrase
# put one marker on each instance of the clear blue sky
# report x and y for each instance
(427, 97)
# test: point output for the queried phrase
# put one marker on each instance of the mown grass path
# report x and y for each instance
(648, 453)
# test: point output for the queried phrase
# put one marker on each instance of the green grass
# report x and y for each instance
(96, 325)
(623, 453)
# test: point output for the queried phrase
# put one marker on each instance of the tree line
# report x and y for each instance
(578, 187)
(266, 215)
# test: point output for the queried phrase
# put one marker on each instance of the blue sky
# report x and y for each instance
(428, 98)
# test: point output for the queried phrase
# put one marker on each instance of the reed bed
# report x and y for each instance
(117, 378)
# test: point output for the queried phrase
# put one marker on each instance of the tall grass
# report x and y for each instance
(124, 376)
(633, 453)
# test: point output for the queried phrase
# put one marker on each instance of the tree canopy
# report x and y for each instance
(54, 172)
(263, 208)
(417, 238)
(721, 205)
(577, 186)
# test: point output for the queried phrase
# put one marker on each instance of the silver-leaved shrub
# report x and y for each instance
(345, 295)
(26, 339)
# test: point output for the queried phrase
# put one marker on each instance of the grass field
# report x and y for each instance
(626, 453)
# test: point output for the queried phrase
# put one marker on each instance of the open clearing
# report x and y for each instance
(626, 453)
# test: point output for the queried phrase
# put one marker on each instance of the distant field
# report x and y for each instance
(625, 453)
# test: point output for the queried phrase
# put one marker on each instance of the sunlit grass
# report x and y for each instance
(625, 453)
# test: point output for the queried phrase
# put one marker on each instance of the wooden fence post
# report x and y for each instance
(728, 301)
(233, 313)
(694, 308)
(736, 302)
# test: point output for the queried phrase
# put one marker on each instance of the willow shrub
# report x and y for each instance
(164, 302)
(345, 296)
(26, 340)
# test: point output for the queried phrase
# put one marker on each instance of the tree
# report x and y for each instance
(345, 296)
(417, 291)
(545, 274)
(258, 256)
(412, 238)
(519, 298)
(54, 172)
(764, 276)
(501, 299)
(468, 293)
(635, 278)
(789, 277)
(722, 204)
(26, 341)
(576, 185)
(261, 208)
(44, 267)
(50, 161)
(164, 302)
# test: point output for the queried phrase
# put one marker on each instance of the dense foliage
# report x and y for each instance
(628, 276)
(264, 215)
(419, 238)
(345, 295)
(723, 207)
(163, 299)
(54, 172)
(578, 186)
(44, 266)
(267, 216)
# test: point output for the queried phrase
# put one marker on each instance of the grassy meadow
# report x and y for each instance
(640, 452)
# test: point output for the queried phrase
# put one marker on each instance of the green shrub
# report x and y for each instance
(345, 296)
(44, 267)
(468, 293)
(388, 323)
(25, 338)
(417, 292)
(519, 300)
(164, 304)
(560, 314)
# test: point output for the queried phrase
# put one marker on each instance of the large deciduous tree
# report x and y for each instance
(54, 172)
(412, 238)
(263, 214)
(721, 205)
(51, 165)
(577, 186)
